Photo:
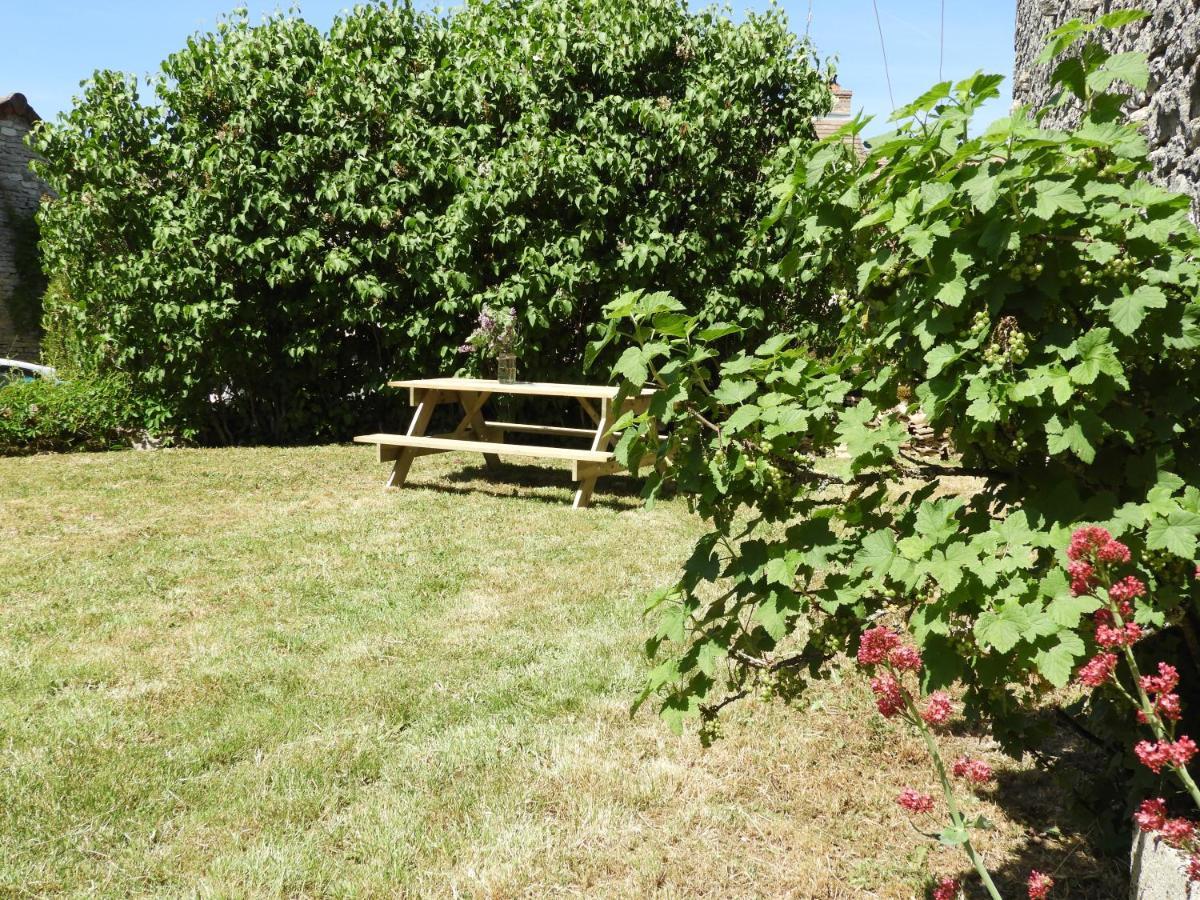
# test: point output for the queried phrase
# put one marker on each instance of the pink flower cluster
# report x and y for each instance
(1111, 636)
(947, 889)
(1092, 543)
(974, 770)
(1083, 577)
(875, 644)
(915, 802)
(1177, 832)
(878, 645)
(1151, 817)
(1097, 670)
(1165, 707)
(906, 659)
(1164, 682)
(938, 709)
(1127, 589)
(1156, 755)
(889, 694)
(882, 646)
(1161, 688)
(1039, 885)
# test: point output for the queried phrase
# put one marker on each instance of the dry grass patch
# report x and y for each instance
(253, 672)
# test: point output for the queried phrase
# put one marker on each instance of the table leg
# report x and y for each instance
(589, 409)
(472, 420)
(583, 494)
(427, 403)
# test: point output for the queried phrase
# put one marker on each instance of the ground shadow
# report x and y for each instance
(1072, 809)
(620, 492)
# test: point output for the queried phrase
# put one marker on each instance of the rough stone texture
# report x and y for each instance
(1169, 110)
(20, 193)
(1156, 871)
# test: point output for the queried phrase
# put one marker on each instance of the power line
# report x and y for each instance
(942, 41)
(886, 72)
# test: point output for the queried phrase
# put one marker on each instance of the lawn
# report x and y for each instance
(254, 672)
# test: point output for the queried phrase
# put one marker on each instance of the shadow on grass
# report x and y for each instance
(540, 483)
(1072, 807)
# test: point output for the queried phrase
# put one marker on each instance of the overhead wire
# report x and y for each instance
(942, 40)
(886, 71)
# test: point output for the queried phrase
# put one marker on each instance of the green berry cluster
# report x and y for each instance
(981, 324)
(1167, 567)
(1009, 345)
(1118, 268)
(711, 729)
(780, 684)
(1026, 266)
(893, 275)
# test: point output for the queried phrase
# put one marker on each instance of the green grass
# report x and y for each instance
(254, 672)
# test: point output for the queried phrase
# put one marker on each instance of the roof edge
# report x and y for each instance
(16, 106)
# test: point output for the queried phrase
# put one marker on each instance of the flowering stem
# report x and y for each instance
(1186, 777)
(1153, 720)
(956, 817)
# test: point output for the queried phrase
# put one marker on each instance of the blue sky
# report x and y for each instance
(54, 44)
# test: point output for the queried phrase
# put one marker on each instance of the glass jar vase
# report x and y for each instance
(506, 368)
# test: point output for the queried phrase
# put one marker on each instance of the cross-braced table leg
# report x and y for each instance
(583, 494)
(472, 424)
(427, 402)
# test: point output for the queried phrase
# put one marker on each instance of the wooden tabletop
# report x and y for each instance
(534, 388)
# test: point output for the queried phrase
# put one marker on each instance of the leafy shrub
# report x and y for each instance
(297, 217)
(943, 247)
(1098, 570)
(86, 413)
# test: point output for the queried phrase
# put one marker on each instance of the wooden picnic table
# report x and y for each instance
(477, 434)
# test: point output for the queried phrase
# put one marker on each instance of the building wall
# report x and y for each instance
(20, 193)
(840, 113)
(1168, 112)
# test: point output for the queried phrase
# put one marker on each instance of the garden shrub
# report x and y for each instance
(85, 413)
(1035, 297)
(295, 217)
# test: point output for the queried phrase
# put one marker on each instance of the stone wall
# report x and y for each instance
(20, 193)
(1168, 112)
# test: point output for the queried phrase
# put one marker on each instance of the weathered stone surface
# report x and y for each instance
(1158, 871)
(1168, 112)
(20, 193)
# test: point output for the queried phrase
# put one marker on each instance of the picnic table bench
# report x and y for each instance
(479, 435)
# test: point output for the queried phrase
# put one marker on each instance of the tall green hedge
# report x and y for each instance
(297, 216)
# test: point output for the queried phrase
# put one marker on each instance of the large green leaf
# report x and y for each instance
(1058, 661)
(1051, 196)
(1128, 311)
(1129, 67)
(1003, 629)
(1176, 532)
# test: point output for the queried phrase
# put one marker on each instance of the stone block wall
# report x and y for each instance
(1168, 112)
(20, 193)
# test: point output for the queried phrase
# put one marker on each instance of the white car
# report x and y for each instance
(14, 368)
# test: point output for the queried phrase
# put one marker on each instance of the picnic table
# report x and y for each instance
(477, 434)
